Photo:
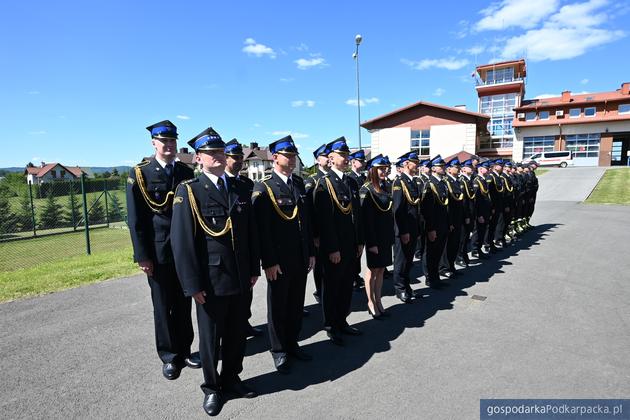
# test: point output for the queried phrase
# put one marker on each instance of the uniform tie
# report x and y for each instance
(168, 169)
(221, 187)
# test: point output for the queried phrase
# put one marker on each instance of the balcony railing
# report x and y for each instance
(499, 81)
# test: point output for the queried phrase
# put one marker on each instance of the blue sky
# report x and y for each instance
(80, 80)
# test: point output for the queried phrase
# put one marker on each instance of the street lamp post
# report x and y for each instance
(357, 40)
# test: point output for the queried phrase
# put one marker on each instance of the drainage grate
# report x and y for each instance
(477, 297)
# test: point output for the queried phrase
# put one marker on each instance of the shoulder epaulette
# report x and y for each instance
(268, 177)
(143, 163)
(190, 181)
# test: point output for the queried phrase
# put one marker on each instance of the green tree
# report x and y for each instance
(116, 211)
(96, 213)
(115, 172)
(8, 219)
(74, 211)
(25, 218)
(51, 214)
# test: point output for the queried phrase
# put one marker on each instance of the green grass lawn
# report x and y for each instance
(42, 265)
(613, 188)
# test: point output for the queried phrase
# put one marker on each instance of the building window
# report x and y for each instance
(530, 116)
(498, 105)
(543, 115)
(624, 109)
(53, 173)
(420, 141)
(537, 145)
(589, 112)
(63, 174)
(574, 112)
(583, 145)
(500, 75)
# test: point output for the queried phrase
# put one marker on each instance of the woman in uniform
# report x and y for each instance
(378, 225)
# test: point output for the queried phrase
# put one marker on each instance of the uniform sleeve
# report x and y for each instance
(309, 187)
(428, 208)
(399, 208)
(183, 232)
(253, 236)
(367, 213)
(357, 214)
(138, 220)
(328, 242)
(263, 214)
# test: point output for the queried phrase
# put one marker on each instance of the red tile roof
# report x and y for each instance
(41, 171)
(419, 104)
(579, 99)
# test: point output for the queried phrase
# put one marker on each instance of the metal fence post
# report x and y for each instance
(30, 193)
(85, 216)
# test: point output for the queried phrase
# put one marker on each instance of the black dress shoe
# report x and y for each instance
(300, 354)
(212, 404)
(171, 371)
(385, 314)
(335, 338)
(253, 331)
(348, 330)
(240, 390)
(281, 362)
(193, 361)
(404, 297)
(375, 316)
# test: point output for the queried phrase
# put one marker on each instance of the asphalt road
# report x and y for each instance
(555, 323)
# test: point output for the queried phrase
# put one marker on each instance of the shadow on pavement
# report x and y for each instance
(332, 362)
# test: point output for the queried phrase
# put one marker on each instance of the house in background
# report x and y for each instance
(428, 129)
(595, 127)
(258, 162)
(51, 172)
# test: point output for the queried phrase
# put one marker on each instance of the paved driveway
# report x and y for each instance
(569, 184)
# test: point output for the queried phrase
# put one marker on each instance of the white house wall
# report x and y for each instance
(449, 139)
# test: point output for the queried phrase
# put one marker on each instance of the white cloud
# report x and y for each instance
(546, 96)
(515, 13)
(580, 14)
(364, 102)
(33, 92)
(257, 125)
(558, 43)
(463, 29)
(301, 103)
(476, 50)
(441, 63)
(182, 117)
(302, 47)
(553, 32)
(35, 159)
(584, 81)
(37, 133)
(286, 79)
(294, 134)
(307, 63)
(259, 50)
(439, 92)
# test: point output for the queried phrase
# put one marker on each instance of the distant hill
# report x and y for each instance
(101, 169)
(89, 169)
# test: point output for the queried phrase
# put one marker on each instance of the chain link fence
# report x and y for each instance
(60, 219)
